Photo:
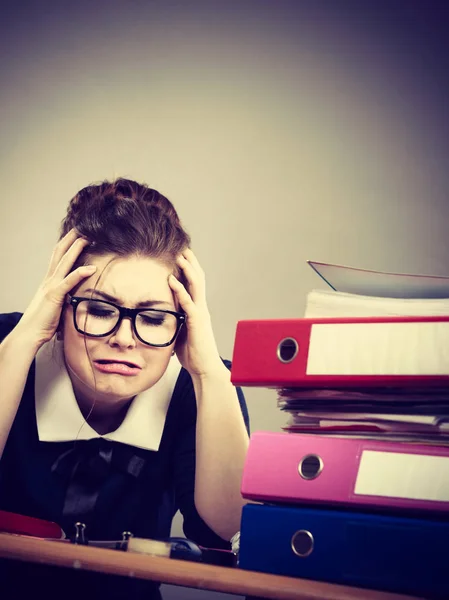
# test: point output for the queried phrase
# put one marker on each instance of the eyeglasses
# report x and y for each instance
(99, 318)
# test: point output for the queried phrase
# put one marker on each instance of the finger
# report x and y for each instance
(190, 256)
(184, 298)
(74, 278)
(69, 258)
(195, 281)
(60, 249)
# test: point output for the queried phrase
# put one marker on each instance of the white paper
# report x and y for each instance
(331, 304)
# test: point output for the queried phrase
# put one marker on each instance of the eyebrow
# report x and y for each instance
(144, 304)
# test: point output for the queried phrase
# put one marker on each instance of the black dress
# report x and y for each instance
(109, 486)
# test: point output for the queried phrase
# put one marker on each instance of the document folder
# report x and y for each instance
(343, 352)
(409, 556)
(298, 469)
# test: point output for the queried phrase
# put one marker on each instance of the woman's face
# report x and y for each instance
(102, 374)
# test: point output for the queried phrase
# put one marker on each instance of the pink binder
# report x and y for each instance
(307, 469)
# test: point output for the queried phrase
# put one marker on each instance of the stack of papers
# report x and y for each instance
(418, 414)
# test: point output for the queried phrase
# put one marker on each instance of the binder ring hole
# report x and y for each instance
(287, 350)
(302, 543)
(310, 466)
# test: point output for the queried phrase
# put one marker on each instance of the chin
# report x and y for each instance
(116, 390)
(110, 391)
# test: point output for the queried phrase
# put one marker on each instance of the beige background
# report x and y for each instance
(282, 131)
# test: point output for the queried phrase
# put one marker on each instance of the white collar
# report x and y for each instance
(59, 418)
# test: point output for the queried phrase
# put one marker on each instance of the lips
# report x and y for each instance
(118, 367)
(115, 361)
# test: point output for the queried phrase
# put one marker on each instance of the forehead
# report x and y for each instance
(130, 279)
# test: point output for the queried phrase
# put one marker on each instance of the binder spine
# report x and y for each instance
(395, 554)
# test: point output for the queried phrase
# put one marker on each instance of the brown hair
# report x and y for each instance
(124, 217)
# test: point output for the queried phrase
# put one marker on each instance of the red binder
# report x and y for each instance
(343, 352)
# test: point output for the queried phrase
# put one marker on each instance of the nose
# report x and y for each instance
(124, 335)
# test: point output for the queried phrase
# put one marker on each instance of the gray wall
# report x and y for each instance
(282, 131)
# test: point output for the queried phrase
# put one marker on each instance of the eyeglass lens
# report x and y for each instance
(97, 317)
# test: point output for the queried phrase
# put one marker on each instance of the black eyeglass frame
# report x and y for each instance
(124, 312)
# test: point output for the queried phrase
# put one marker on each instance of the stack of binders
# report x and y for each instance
(356, 489)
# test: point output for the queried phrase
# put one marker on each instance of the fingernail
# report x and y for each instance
(90, 268)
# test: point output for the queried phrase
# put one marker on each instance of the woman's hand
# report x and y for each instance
(40, 320)
(195, 347)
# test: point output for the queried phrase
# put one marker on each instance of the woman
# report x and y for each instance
(127, 413)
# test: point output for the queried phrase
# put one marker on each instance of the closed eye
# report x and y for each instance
(154, 320)
(100, 312)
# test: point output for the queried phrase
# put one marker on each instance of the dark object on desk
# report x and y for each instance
(174, 547)
(216, 556)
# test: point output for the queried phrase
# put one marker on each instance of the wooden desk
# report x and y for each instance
(179, 572)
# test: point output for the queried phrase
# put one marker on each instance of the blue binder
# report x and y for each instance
(403, 555)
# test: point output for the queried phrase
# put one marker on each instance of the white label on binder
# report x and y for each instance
(413, 348)
(396, 475)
